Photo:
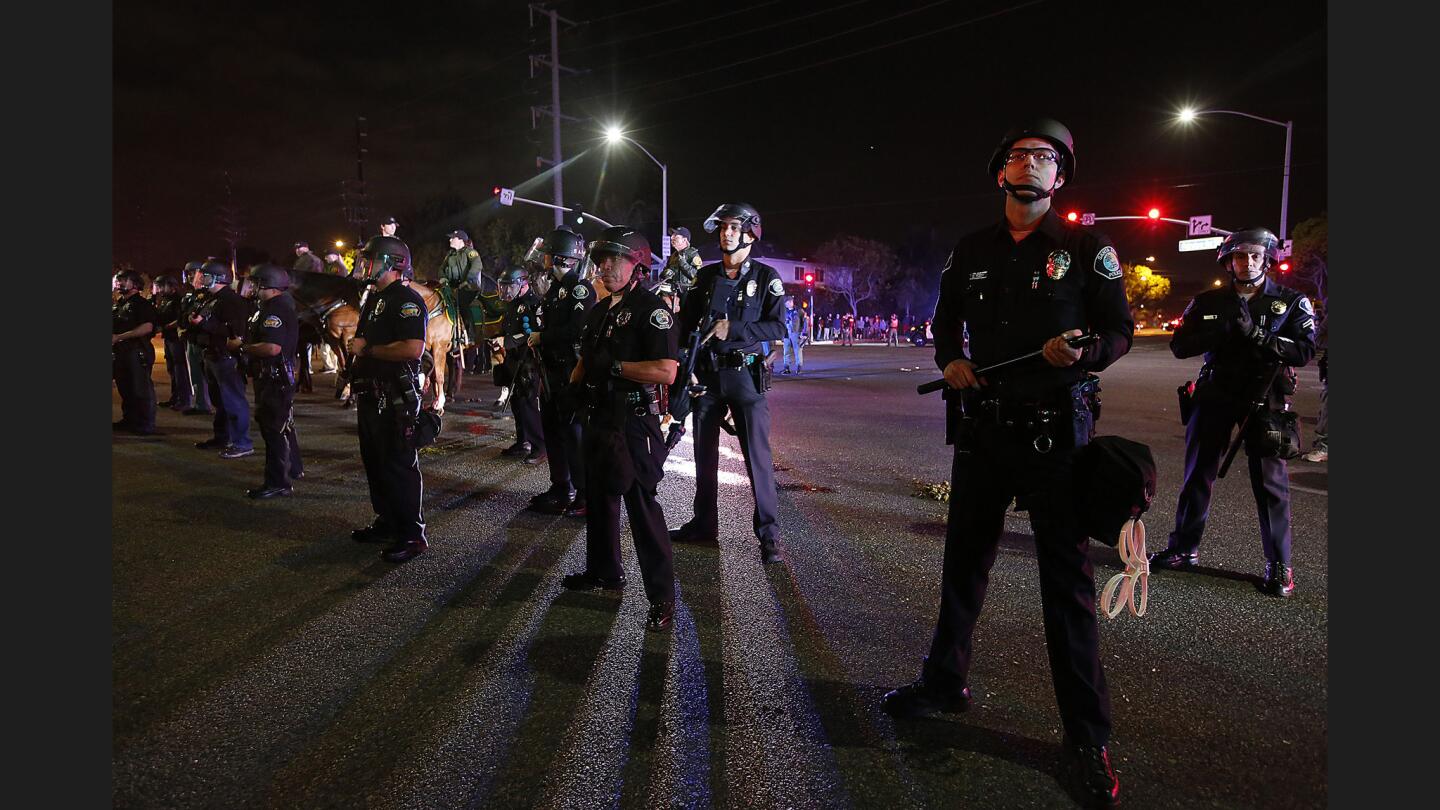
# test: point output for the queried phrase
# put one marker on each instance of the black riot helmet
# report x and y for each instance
(564, 242)
(270, 277)
(621, 240)
(216, 272)
(1256, 239)
(514, 275)
(382, 254)
(1259, 240)
(745, 212)
(127, 281)
(1047, 129)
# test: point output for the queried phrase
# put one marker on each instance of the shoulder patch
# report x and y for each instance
(272, 322)
(661, 319)
(580, 292)
(1303, 302)
(1107, 263)
(696, 261)
(409, 309)
(472, 254)
(777, 287)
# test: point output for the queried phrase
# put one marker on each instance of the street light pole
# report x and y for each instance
(1188, 115)
(614, 134)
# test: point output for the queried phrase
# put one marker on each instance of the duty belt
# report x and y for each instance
(640, 402)
(733, 359)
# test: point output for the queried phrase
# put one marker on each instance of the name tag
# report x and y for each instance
(1208, 317)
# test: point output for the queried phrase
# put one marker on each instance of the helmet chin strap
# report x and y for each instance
(743, 244)
(1039, 193)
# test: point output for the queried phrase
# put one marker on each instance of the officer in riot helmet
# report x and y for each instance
(628, 355)
(167, 301)
(270, 344)
(190, 304)
(519, 376)
(1254, 334)
(222, 322)
(732, 368)
(562, 314)
(132, 324)
(387, 347)
(1029, 280)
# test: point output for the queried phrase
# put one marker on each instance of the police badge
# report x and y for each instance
(1277, 307)
(562, 292)
(750, 288)
(623, 318)
(1057, 265)
(380, 306)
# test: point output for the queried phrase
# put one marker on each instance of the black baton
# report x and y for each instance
(1076, 342)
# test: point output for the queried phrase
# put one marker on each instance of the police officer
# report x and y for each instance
(166, 298)
(270, 344)
(732, 369)
(305, 261)
(334, 264)
(518, 376)
(132, 323)
(562, 315)
(629, 352)
(387, 346)
(190, 304)
(1254, 334)
(222, 321)
(388, 226)
(681, 267)
(1028, 280)
(795, 336)
(461, 264)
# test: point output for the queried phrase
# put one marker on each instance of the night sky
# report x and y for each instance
(870, 117)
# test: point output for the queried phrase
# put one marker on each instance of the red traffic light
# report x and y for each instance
(495, 192)
(1154, 213)
(809, 278)
(1072, 216)
(1284, 267)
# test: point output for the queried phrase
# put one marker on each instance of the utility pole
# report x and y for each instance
(556, 159)
(362, 210)
(230, 227)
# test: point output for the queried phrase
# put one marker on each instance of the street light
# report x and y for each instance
(1188, 115)
(614, 135)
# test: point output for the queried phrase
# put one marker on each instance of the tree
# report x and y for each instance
(1144, 286)
(856, 268)
(1311, 260)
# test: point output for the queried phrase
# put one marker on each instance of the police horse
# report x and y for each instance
(439, 334)
(329, 310)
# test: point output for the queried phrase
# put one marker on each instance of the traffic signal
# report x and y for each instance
(495, 192)
(576, 217)
(1072, 216)
(810, 281)
(1284, 267)
(1153, 213)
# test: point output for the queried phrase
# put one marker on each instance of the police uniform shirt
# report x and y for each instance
(563, 314)
(394, 313)
(682, 267)
(1286, 321)
(522, 316)
(640, 327)
(462, 265)
(755, 308)
(167, 310)
(191, 303)
(229, 314)
(1010, 298)
(128, 313)
(276, 322)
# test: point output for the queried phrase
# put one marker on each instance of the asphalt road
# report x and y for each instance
(262, 658)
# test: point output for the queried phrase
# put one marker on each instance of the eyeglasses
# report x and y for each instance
(1042, 155)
